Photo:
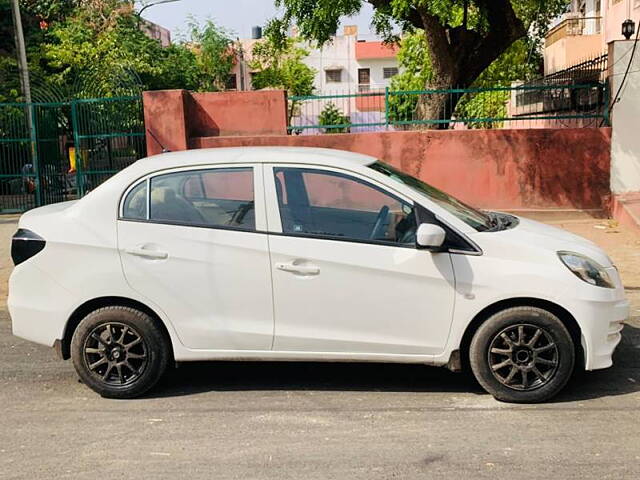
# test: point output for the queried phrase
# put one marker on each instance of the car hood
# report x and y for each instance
(530, 233)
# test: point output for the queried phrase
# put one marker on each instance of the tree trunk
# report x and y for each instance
(437, 109)
(459, 55)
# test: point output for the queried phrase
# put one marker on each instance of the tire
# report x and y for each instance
(512, 365)
(119, 352)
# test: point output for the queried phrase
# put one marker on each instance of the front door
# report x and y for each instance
(193, 242)
(347, 276)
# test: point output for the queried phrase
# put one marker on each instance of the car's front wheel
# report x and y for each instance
(522, 355)
(119, 352)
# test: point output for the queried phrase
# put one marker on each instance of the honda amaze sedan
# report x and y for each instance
(299, 254)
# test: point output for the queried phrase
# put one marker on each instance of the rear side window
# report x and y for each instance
(135, 205)
(221, 197)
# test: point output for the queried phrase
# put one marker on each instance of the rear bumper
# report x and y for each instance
(38, 305)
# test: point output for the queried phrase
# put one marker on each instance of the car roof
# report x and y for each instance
(301, 155)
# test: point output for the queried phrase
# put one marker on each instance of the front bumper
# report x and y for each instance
(604, 334)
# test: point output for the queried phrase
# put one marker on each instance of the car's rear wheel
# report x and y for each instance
(522, 355)
(119, 352)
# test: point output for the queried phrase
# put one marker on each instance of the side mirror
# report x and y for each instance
(430, 236)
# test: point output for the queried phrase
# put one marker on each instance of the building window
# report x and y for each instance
(389, 72)
(364, 79)
(232, 82)
(334, 76)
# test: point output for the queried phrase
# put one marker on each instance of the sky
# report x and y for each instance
(238, 16)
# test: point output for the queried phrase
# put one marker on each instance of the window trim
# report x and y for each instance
(194, 225)
(258, 199)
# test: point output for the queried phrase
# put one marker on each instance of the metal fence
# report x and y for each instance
(542, 90)
(51, 152)
(518, 106)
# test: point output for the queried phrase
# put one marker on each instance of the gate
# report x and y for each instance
(51, 152)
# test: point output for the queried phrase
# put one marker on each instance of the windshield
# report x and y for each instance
(469, 215)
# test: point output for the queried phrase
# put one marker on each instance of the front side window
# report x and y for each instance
(217, 197)
(331, 204)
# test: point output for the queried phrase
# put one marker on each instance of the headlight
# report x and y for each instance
(586, 269)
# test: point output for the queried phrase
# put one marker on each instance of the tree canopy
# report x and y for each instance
(79, 48)
(462, 38)
(278, 63)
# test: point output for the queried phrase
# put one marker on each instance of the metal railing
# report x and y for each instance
(591, 74)
(51, 152)
(520, 106)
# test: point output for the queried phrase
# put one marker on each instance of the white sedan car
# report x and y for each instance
(299, 254)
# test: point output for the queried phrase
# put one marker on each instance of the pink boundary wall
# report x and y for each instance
(502, 169)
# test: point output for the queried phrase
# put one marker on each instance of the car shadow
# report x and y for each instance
(201, 377)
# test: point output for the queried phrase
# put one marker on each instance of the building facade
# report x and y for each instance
(348, 64)
(586, 30)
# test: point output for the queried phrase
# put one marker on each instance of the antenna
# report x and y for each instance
(164, 149)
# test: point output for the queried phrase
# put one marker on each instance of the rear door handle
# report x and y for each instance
(146, 253)
(299, 269)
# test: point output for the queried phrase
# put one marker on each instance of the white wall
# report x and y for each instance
(339, 53)
(625, 141)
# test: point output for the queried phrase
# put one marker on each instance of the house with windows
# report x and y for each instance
(349, 63)
(585, 30)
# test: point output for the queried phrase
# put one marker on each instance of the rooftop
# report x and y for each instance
(300, 155)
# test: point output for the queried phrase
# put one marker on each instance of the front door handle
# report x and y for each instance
(299, 269)
(147, 253)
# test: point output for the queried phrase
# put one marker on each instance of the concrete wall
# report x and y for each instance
(174, 116)
(572, 50)
(625, 141)
(616, 12)
(503, 169)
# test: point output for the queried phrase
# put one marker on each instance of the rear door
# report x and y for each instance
(193, 242)
(347, 276)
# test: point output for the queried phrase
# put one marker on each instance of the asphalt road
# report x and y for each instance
(317, 421)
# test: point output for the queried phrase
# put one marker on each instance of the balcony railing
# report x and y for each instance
(573, 26)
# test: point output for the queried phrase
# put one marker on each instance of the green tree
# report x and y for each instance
(96, 48)
(463, 37)
(415, 73)
(332, 115)
(278, 63)
(214, 52)
(518, 62)
(101, 51)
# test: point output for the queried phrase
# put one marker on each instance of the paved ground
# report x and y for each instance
(313, 421)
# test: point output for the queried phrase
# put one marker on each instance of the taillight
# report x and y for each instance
(25, 244)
